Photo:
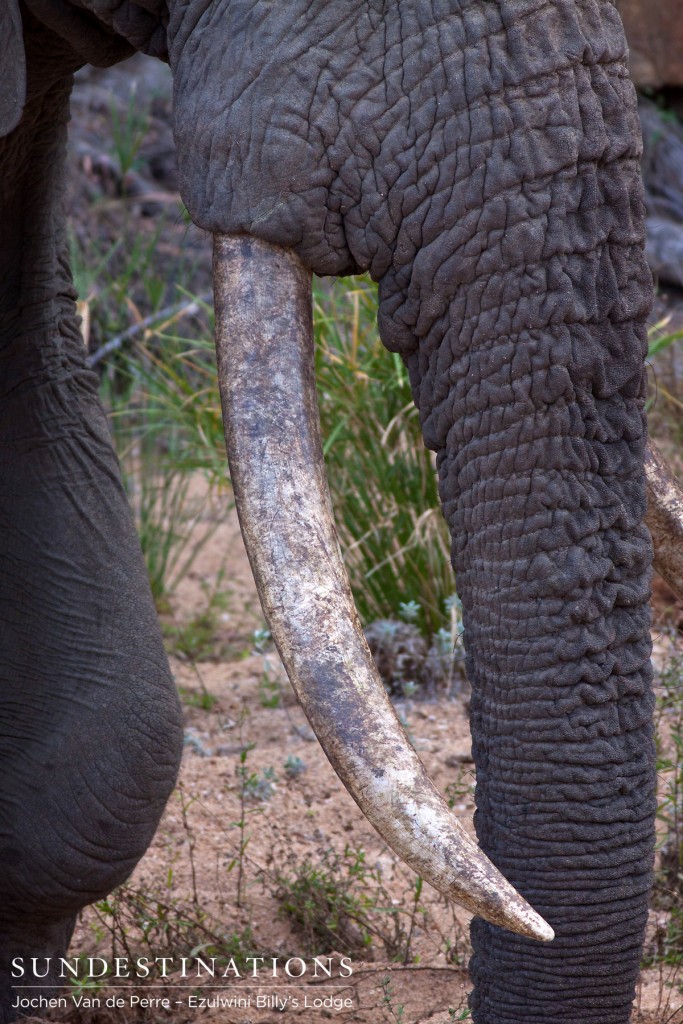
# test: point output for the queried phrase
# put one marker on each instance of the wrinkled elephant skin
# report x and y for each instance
(480, 160)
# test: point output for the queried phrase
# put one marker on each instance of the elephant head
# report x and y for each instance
(480, 160)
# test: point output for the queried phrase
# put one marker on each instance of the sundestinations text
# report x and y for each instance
(182, 967)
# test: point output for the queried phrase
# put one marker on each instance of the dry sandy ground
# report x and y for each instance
(190, 875)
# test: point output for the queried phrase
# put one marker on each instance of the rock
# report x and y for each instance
(231, 749)
(662, 161)
(456, 760)
(654, 30)
(194, 742)
(664, 250)
(662, 167)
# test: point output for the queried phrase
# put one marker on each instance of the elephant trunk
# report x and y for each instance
(522, 320)
(267, 382)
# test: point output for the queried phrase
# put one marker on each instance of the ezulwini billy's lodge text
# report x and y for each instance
(261, 1001)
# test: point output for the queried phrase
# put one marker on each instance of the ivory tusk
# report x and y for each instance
(665, 518)
(266, 371)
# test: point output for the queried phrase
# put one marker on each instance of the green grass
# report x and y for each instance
(197, 638)
(659, 338)
(338, 901)
(129, 129)
(159, 415)
(115, 282)
(382, 479)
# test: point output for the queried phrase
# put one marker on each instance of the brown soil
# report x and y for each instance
(192, 866)
(304, 817)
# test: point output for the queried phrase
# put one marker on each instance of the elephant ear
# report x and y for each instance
(12, 67)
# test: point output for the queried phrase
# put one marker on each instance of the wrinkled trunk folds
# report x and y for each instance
(530, 383)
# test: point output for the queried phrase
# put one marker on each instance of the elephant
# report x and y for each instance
(480, 159)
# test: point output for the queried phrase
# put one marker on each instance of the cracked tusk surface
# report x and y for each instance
(665, 517)
(266, 371)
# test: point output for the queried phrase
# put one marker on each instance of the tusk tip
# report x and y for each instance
(541, 930)
(527, 922)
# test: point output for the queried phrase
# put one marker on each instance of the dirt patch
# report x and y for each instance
(257, 801)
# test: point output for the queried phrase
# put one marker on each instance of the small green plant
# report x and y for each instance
(243, 776)
(269, 690)
(461, 789)
(196, 640)
(238, 946)
(458, 951)
(137, 922)
(409, 611)
(339, 901)
(262, 640)
(261, 786)
(409, 665)
(85, 986)
(328, 902)
(460, 1014)
(185, 804)
(253, 788)
(201, 698)
(396, 1013)
(416, 911)
(294, 767)
(269, 687)
(128, 132)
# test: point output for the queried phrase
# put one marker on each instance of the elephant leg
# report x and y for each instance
(89, 717)
(21, 940)
(90, 726)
